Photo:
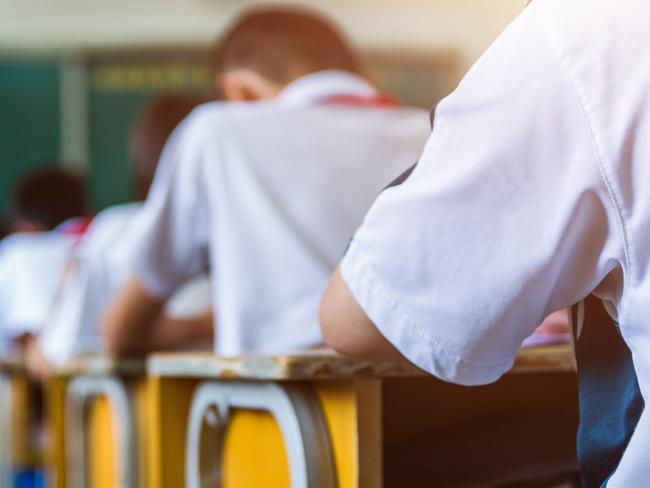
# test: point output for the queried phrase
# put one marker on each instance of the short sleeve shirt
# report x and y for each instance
(267, 195)
(99, 265)
(31, 271)
(532, 192)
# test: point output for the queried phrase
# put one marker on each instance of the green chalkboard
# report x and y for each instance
(29, 119)
(119, 86)
(112, 114)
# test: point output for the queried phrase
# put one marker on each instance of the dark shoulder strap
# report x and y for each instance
(401, 178)
(610, 398)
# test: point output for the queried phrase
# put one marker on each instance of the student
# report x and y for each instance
(532, 193)
(47, 209)
(103, 259)
(267, 188)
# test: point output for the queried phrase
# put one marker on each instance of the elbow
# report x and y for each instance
(336, 321)
(128, 320)
(114, 334)
(344, 326)
(110, 335)
(333, 339)
(330, 324)
(347, 329)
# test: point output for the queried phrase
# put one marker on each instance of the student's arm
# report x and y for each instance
(347, 329)
(129, 319)
(136, 323)
(193, 332)
(170, 247)
(505, 219)
(36, 363)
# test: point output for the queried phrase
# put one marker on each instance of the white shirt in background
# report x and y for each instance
(31, 269)
(533, 190)
(99, 266)
(268, 194)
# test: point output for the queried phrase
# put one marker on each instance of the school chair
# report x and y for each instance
(15, 398)
(96, 406)
(322, 420)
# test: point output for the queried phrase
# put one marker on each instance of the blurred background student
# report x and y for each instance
(48, 213)
(103, 259)
(74, 84)
(267, 188)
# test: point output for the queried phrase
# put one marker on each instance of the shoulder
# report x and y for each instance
(114, 216)
(109, 226)
(204, 132)
(33, 242)
(22, 251)
(216, 115)
(411, 119)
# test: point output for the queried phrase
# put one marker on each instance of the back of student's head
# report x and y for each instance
(284, 43)
(45, 197)
(154, 125)
(5, 228)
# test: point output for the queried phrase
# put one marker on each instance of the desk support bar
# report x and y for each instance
(296, 410)
(6, 428)
(80, 392)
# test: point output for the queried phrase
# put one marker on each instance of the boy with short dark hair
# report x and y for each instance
(45, 198)
(103, 259)
(518, 207)
(266, 190)
(48, 209)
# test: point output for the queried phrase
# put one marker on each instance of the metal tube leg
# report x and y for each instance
(81, 391)
(295, 409)
(6, 430)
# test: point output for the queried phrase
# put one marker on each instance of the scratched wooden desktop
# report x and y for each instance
(96, 414)
(382, 424)
(355, 423)
(15, 398)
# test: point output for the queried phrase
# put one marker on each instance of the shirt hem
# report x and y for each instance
(427, 352)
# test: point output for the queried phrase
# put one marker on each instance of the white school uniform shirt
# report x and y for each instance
(100, 265)
(532, 192)
(96, 268)
(268, 195)
(31, 269)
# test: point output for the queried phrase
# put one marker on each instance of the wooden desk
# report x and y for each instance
(95, 407)
(15, 401)
(332, 420)
(328, 365)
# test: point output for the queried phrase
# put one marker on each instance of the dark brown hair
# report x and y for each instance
(48, 196)
(284, 43)
(155, 123)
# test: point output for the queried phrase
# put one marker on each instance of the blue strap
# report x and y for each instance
(610, 399)
(401, 178)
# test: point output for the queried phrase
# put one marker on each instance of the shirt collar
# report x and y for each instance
(314, 87)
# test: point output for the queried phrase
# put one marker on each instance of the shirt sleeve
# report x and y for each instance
(171, 245)
(31, 279)
(505, 219)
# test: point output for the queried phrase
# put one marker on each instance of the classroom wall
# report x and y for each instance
(81, 113)
(464, 25)
(74, 73)
(30, 113)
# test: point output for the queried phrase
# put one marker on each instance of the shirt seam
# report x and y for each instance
(363, 270)
(599, 159)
